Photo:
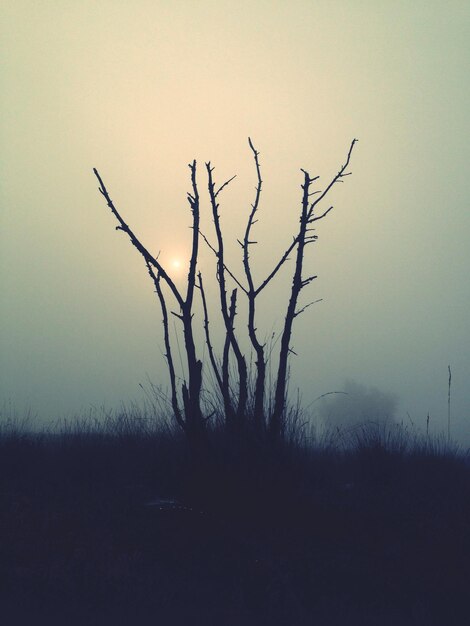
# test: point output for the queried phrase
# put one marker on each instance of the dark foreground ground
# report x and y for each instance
(375, 536)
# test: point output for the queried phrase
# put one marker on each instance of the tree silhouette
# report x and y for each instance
(245, 410)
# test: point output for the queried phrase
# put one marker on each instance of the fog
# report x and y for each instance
(140, 89)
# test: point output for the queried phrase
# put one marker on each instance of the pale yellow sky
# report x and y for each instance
(138, 89)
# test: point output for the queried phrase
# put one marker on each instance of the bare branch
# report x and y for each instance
(338, 176)
(309, 178)
(194, 202)
(303, 238)
(241, 363)
(319, 217)
(226, 375)
(169, 357)
(208, 243)
(277, 267)
(308, 280)
(251, 218)
(232, 276)
(208, 339)
(149, 258)
(300, 311)
(275, 424)
(252, 293)
(227, 182)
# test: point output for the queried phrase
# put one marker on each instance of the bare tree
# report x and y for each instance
(240, 410)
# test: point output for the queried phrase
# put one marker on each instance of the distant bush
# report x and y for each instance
(357, 405)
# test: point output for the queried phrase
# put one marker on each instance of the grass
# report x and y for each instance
(367, 527)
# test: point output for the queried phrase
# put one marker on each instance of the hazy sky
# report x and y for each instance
(138, 89)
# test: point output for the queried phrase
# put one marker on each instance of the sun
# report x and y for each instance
(176, 265)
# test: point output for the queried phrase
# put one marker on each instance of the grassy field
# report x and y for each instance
(121, 523)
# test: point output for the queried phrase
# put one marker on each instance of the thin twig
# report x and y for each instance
(232, 276)
(338, 176)
(278, 266)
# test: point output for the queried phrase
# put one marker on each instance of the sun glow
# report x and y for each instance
(176, 265)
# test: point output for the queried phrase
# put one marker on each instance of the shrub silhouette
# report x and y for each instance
(245, 409)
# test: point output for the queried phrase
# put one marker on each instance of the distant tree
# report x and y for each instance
(246, 409)
(357, 405)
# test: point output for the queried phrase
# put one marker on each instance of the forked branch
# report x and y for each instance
(228, 321)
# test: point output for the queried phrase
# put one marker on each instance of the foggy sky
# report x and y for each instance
(139, 89)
